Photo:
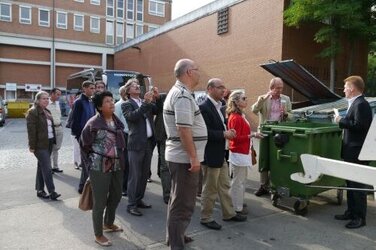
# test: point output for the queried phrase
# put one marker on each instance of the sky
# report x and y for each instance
(182, 7)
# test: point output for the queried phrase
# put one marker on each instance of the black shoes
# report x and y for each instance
(42, 194)
(54, 196)
(124, 193)
(261, 191)
(345, 216)
(212, 225)
(356, 223)
(134, 211)
(57, 170)
(142, 204)
(237, 218)
(166, 199)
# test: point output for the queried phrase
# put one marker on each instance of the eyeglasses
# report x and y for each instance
(219, 87)
(194, 69)
(244, 98)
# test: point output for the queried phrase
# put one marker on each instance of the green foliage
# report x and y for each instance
(371, 76)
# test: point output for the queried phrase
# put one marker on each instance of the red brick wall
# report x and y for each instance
(255, 35)
(21, 73)
(63, 56)
(24, 53)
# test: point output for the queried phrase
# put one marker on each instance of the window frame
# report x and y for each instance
(117, 29)
(92, 30)
(59, 25)
(140, 11)
(80, 1)
(95, 2)
(121, 8)
(10, 12)
(136, 30)
(48, 15)
(156, 13)
(130, 10)
(75, 27)
(110, 7)
(112, 34)
(21, 19)
(127, 38)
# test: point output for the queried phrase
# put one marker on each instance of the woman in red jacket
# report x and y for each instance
(240, 155)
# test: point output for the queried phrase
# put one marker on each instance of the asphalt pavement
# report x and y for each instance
(28, 222)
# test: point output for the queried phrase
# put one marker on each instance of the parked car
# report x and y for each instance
(2, 111)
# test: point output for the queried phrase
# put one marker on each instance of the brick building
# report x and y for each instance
(229, 39)
(43, 42)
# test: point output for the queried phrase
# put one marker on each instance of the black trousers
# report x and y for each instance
(357, 200)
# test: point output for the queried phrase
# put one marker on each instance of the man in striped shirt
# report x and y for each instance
(185, 146)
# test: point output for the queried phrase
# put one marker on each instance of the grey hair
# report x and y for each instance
(182, 66)
(127, 86)
(274, 81)
(38, 96)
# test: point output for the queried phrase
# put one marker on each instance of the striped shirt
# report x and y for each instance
(181, 110)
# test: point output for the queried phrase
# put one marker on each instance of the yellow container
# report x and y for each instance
(17, 109)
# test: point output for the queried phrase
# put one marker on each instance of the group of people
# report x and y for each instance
(117, 142)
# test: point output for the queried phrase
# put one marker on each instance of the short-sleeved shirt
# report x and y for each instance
(181, 110)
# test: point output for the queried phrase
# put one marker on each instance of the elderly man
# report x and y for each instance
(214, 167)
(273, 106)
(141, 142)
(54, 108)
(355, 127)
(185, 145)
(119, 114)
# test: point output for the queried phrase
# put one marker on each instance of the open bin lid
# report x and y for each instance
(301, 80)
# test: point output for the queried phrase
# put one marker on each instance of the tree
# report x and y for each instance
(352, 19)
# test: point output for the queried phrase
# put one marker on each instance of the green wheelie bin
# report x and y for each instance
(280, 152)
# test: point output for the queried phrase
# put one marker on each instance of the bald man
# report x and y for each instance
(185, 146)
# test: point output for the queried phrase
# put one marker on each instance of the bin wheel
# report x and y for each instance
(339, 196)
(274, 198)
(301, 207)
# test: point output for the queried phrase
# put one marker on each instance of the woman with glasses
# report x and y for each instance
(41, 135)
(240, 147)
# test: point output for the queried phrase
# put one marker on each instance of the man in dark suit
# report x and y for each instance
(214, 167)
(355, 126)
(141, 142)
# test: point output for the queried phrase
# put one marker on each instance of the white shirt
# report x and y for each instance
(54, 108)
(119, 114)
(218, 106)
(350, 101)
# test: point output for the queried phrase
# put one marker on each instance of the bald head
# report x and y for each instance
(187, 72)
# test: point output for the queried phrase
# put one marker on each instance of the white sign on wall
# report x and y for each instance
(11, 86)
(33, 87)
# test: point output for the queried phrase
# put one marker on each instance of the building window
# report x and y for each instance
(25, 14)
(5, 12)
(78, 22)
(150, 28)
(80, 1)
(139, 30)
(140, 10)
(61, 20)
(129, 32)
(110, 32)
(156, 8)
(119, 33)
(95, 2)
(44, 18)
(120, 8)
(110, 8)
(130, 9)
(95, 26)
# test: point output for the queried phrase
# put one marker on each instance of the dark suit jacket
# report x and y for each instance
(135, 117)
(355, 126)
(160, 131)
(215, 147)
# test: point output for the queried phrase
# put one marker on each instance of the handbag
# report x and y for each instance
(86, 199)
(254, 156)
